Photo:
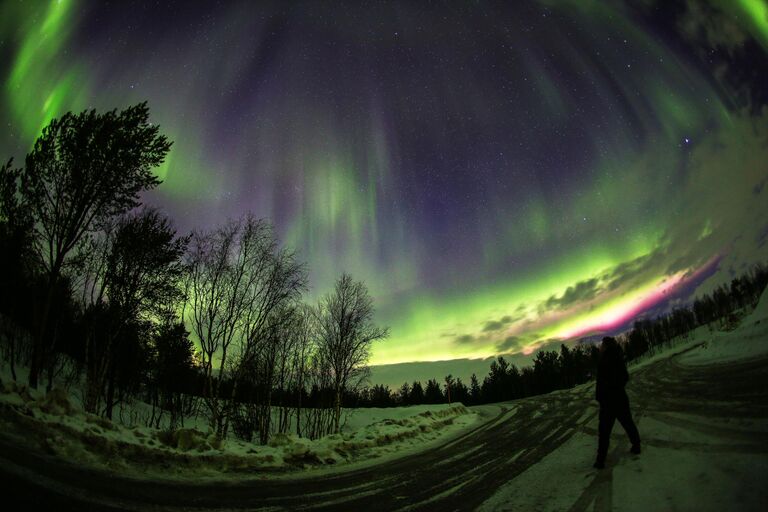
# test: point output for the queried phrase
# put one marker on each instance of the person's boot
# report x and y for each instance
(635, 449)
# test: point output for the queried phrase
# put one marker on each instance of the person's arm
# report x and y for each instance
(600, 384)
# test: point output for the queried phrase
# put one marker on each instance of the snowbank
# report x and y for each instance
(56, 424)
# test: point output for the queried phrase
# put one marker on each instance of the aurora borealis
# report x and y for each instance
(503, 175)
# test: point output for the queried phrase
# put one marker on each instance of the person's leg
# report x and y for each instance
(624, 415)
(607, 417)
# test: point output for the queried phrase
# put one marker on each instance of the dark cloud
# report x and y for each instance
(495, 325)
(708, 25)
(464, 339)
(758, 189)
(728, 46)
(581, 291)
(516, 343)
(687, 262)
(510, 343)
(635, 270)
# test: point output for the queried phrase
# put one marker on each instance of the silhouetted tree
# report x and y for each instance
(19, 283)
(241, 287)
(460, 392)
(496, 385)
(417, 394)
(432, 393)
(474, 391)
(346, 332)
(449, 383)
(381, 396)
(566, 367)
(404, 394)
(134, 279)
(83, 169)
(172, 371)
(546, 372)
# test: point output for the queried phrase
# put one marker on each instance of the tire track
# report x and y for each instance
(458, 475)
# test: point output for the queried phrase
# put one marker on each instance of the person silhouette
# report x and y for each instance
(612, 376)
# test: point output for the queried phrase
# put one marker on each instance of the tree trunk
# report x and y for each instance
(39, 346)
(51, 365)
(110, 392)
(12, 342)
(298, 413)
(337, 410)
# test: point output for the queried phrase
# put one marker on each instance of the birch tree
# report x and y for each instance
(346, 333)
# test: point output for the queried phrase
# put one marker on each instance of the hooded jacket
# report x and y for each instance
(612, 376)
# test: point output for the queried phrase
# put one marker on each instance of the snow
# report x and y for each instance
(695, 474)
(57, 424)
(689, 461)
(748, 340)
(548, 485)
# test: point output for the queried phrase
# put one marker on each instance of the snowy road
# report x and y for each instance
(535, 453)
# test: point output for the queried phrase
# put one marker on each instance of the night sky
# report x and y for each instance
(502, 175)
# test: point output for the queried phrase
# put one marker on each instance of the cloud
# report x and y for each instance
(636, 270)
(738, 216)
(581, 291)
(495, 325)
(516, 343)
(758, 188)
(706, 24)
(510, 343)
(728, 42)
(464, 339)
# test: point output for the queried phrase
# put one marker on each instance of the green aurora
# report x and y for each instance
(590, 171)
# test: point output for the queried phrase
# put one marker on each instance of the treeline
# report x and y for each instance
(721, 308)
(100, 291)
(553, 370)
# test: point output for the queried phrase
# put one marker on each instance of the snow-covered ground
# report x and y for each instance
(697, 454)
(57, 424)
(747, 341)
(701, 405)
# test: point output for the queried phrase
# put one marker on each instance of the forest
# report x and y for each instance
(100, 292)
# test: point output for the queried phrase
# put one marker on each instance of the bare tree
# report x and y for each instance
(346, 333)
(238, 280)
(302, 331)
(319, 420)
(208, 262)
(449, 383)
(217, 302)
